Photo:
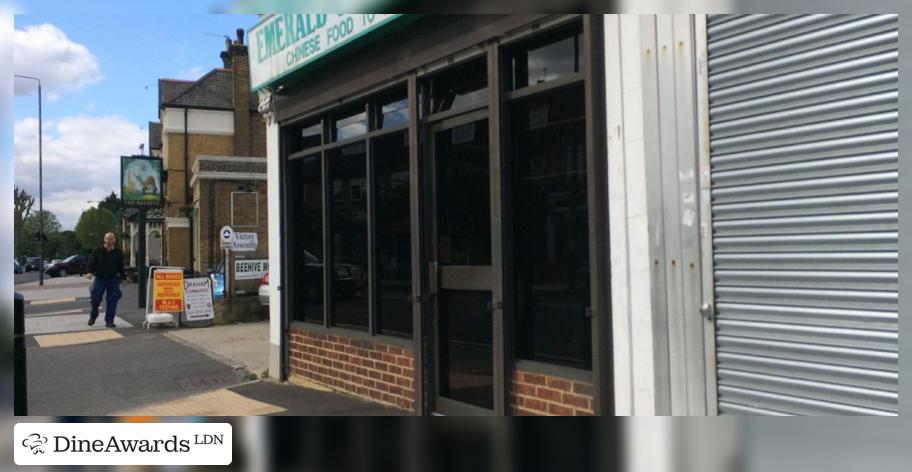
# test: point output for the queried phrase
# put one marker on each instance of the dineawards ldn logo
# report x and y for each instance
(35, 442)
(123, 443)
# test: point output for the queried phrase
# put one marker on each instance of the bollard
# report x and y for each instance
(20, 390)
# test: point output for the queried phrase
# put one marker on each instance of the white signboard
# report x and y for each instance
(245, 242)
(226, 236)
(198, 299)
(282, 43)
(250, 269)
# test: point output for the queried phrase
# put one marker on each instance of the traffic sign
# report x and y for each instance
(226, 235)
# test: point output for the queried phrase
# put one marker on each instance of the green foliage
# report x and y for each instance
(22, 208)
(30, 226)
(92, 226)
(113, 204)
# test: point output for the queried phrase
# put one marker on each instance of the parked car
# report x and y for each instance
(264, 290)
(75, 264)
(18, 268)
(32, 263)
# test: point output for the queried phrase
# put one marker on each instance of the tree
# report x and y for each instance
(113, 204)
(30, 227)
(62, 244)
(92, 226)
(22, 208)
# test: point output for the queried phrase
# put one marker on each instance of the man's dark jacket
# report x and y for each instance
(105, 264)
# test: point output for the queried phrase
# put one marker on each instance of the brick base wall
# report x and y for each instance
(539, 394)
(380, 372)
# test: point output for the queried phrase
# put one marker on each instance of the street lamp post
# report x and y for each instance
(40, 188)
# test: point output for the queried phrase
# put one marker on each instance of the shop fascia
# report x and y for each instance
(282, 43)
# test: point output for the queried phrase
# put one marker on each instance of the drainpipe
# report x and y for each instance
(187, 199)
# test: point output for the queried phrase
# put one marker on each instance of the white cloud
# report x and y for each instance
(44, 51)
(81, 160)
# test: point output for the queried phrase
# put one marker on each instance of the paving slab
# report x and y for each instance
(69, 339)
(243, 345)
(216, 403)
(65, 323)
(299, 401)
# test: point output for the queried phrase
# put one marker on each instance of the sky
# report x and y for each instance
(99, 78)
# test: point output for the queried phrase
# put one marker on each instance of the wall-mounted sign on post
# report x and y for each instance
(282, 43)
(198, 299)
(168, 290)
(250, 269)
(141, 181)
(245, 242)
(226, 237)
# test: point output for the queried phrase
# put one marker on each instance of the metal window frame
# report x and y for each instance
(705, 209)
(419, 173)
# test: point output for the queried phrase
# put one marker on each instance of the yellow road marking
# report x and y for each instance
(216, 403)
(82, 337)
(52, 301)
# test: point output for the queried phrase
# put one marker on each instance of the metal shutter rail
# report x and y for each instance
(804, 156)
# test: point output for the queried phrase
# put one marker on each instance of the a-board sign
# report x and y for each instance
(245, 242)
(198, 299)
(226, 237)
(248, 269)
(168, 290)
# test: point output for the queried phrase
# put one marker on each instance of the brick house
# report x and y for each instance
(212, 143)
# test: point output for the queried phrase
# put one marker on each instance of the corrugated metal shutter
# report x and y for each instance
(804, 153)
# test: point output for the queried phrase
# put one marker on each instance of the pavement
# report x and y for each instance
(77, 370)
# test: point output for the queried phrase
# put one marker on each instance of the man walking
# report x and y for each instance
(106, 266)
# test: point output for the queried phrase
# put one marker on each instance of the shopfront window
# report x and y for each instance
(392, 110)
(350, 125)
(551, 227)
(460, 87)
(544, 59)
(393, 233)
(348, 233)
(305, 266)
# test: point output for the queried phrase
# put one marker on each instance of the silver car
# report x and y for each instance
(264, 290)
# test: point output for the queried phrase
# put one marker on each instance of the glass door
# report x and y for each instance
(460, 271)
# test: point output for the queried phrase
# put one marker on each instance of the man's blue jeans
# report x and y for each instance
(99, 288)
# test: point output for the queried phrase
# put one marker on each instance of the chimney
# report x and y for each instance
(226, 59)
(240, 70)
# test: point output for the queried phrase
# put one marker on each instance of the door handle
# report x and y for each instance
(433, 277)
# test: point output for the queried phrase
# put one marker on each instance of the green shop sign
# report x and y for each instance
(283, 43)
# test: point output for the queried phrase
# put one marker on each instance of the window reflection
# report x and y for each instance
(462, 86)
(350, 126)
(545, 60)
(463, 195)
(551, 227)
(305, 270)
(394, 244)
(348, 233)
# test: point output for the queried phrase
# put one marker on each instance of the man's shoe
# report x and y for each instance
(91, 321)
(110, 325)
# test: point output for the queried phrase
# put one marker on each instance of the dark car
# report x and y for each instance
(32, 263)
(18, 268)
(71, 265)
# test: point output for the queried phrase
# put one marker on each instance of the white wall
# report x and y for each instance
(654, 232)
(199, 121)
(275, 259)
